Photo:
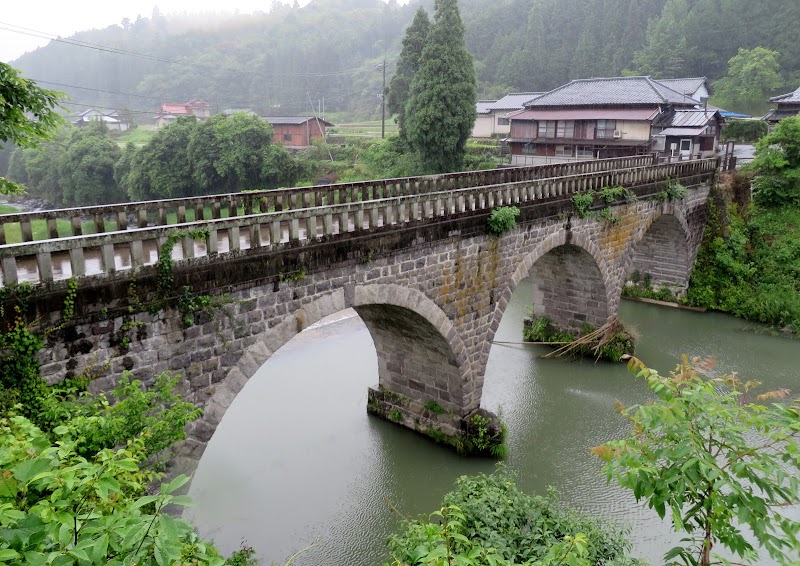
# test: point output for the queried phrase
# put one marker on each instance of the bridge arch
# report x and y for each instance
(566, 254)
(420, 354)
(661, 250)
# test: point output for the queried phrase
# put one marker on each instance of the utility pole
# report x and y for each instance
(383, 101)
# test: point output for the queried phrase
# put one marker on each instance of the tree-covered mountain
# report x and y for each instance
(286, 60)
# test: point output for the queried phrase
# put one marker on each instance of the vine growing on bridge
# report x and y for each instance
(503, 219)
(583, 202)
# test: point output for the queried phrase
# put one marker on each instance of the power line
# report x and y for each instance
(95, 89)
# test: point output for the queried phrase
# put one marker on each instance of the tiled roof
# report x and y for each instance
(515, 100)
(615, 91)
(793, 96)
(484, 106)
(293, 120)
(777, 114)
(176, 109)
(684, 86)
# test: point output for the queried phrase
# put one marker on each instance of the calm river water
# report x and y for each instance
(297, 460)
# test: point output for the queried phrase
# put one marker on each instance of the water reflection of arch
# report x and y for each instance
(416, 343)
(662, 249)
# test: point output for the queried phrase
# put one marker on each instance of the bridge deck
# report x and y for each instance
(303, 215)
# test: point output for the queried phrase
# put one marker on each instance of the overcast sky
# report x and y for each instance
(58, 17)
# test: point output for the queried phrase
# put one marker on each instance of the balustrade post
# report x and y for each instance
(137, 253)
(99, 223)
(275, 233)
(9, 271)
(122, 220)
(45, 264)
(2, 234)
(107, 257)
(255, 236)
(212, 243)
(234, 243)
(327, 224)
(216, 210)
(75, 223)
(52, 228)
(187, 244)
(344, 222)
(27, 231)
(161, 217)
(77, 262)
(142, 218)
(294, 230)
(311, 228)
(359, 219)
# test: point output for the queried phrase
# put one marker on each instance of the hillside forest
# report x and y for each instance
(327, 55)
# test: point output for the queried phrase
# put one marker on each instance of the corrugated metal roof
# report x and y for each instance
(484, 106)
(293, 120)
(614, 91)
(585, 114)
(689, 118)
(793, 96)
(515, 100)
(684, 86)
(682, 132)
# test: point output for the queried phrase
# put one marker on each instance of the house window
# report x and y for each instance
(287, 137)
(503, 121)
(605, 128)
(584, 151)
(565, 129)
(564, 151)
(529, 148)
(547, 129)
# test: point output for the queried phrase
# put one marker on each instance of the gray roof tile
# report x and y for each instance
(683, 86)
(614, 91)
(793, 96)
(515, 100)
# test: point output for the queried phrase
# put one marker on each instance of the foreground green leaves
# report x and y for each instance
(60, 508)
(721, 466)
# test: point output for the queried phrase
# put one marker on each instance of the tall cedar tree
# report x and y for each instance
(441, 107)
(407, 65)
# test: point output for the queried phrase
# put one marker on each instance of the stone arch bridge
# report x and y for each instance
(414, 257)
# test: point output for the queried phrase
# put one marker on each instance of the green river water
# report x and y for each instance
(296, 459)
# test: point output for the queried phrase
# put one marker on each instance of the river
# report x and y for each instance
(297, 461)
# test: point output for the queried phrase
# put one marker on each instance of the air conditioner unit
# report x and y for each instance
(617, 134)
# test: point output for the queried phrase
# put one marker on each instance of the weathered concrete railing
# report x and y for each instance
(72, 221)
(275, 229)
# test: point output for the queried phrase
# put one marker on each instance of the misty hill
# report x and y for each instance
(287, 60)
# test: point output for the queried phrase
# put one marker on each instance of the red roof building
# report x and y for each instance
(170, 111)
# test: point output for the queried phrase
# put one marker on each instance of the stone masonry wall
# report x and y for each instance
(432, 297)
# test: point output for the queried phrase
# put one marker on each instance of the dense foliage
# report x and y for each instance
(486, 519)
(753, 74)
(287, 60)
(719, 463)
(749, 262)
(85, 166)
(744, 131)
(777, 166)
(28, 114)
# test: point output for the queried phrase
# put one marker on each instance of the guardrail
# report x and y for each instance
(274, 230)
(72, 221)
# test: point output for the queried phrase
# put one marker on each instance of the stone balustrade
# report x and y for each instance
(312, 222)
(108, 218)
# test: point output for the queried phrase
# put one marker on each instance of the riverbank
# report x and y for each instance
(749, 261)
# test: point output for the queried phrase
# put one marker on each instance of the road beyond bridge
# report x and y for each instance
(413, 257)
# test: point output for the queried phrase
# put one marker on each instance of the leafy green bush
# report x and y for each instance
(721, 464)
(745, 131)
(777, 166)
(486, 519)
(503, 219)
(58, 507)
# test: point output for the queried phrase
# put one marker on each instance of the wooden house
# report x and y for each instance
(788, 105)
(296, 132)
(687, 133)
(491, 115)
(170, 111)
(591, 119)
